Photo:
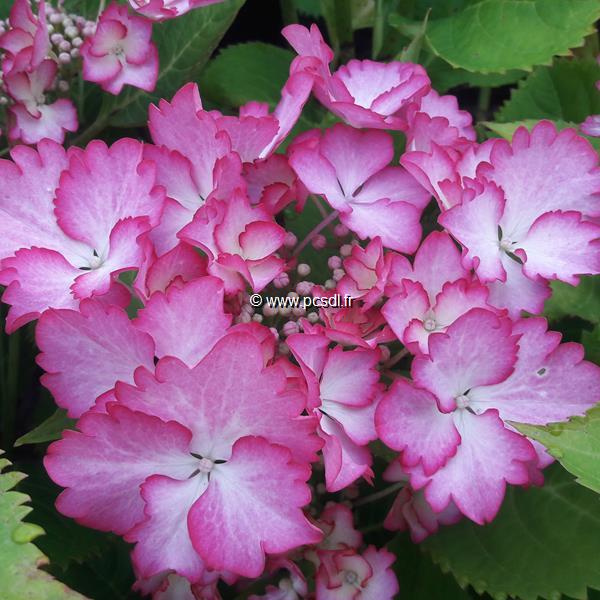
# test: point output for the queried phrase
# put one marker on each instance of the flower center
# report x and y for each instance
(350, 577)
(429, 324)
(205, 465)
(462, 401)
(95, 262)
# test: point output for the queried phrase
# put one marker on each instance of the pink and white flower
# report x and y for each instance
(160, 10)
(205, 480)
(342, 388)
(364, 93)
(350, 169)
(71, 222)
(121, 52)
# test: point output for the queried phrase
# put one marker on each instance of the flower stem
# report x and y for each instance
(315, 231)
(395, 359)
(380, 494)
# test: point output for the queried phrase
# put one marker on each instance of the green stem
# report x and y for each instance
(483, 104)
(378, 29)
(380, 494)
(98, 125)
(315, 231)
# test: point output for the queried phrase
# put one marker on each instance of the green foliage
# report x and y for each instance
(566, 91)
(576, 444)
(245, 72)
(581, 301)
(184, 45)
(420, 578)
(20, 560)
(543, 543)
(494, 36)
(48, 430)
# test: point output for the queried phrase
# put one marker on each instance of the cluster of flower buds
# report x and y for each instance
(210, 432)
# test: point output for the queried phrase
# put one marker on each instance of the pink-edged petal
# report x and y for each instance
(477, 349)
(294, 96)
(260, 239)
(544, 171)
(249, 135)
(447, 106)
(458, 298)
(396, 184)
(252, 506)
(358, 422)
(345, 461)
(186, 322)
(560, 245)
(97, 341)
(162, 539)
(591, 126)
(228, 395)
(104, 463)
(411, 303)
(36, 279)
(437, 261)
(551, 382)
(408, 420)
(182, 125)
(396, 223)
(101, 68)
(104, 185)
(489, 457)
(54, 120)
(474, 223)
(143, 76)
(518, 292)
(350, 377)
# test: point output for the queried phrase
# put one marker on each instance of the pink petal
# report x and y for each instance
(104, 185)
(477, 349)
(52, 123)
(474, 223)
(409, 421)
(252, 506)
(103, 466)
(560, 245)
(489, 457)
(85, 352)
(186, 322)
(249, 135)
(551, 382)
(163, 540)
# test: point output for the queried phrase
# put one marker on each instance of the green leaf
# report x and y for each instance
(310, 8)
(419, 577)
(494, 36)
(412, 52)
(544, 542)
(245, 72)
(184, 45)
(576, 444)
(49, 430)
(20, 575)
(581, 301)
(591, 343)
(566, 91)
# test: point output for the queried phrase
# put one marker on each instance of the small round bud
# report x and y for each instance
(257, 318)
(338, 274)
(340, 230)
(274, 332)
(56, 38)
(63, 86)
(71, 31)
(303, 288)
(334, 262)
(292, 295)
(285, 311)
(303, 269)
(312, 317)
(67, 22)
(75, 53)
(76, 42)
(290, 240)
(346, 250)
(289, 328)
(56, 18)
(64, 58)
(319, 242)
(269, 311)
(330, 284)
(65, 46)
(282, 280)
(299, 312)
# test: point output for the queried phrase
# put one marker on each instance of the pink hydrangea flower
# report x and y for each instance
(364, 93)
(432, 293)
(411, 511)
(240, 241)
(32, 118)
(342, 388)
(71, 222)
(350, 169)
(26, 43)
(121, 52)
(349, 575)
(533, 222)
(160, 10)
(207, 481)
(451, 422)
